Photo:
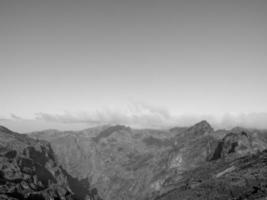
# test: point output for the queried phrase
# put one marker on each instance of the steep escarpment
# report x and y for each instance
(29, 170)
(191, 148)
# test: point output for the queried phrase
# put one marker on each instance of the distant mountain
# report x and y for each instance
(29, 170)
(129, 164)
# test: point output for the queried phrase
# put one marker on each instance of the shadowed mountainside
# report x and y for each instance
(29, 170)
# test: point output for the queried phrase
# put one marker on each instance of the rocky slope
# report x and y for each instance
(124, 163)
(239, 179)
(234, 167)
(29, 170)
(117, 160)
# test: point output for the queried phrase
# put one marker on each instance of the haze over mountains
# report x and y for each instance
(138, 115)
(120, 162)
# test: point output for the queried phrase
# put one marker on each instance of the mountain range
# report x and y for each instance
(122, 163)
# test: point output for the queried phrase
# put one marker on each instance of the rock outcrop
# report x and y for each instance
(239, 179)
(235, 169)
(29, 170)
(239, 142)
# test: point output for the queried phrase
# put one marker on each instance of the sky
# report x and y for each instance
(146, 63)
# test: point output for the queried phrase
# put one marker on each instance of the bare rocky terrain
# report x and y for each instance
(118, 162)
(181, 163)
(29, 171)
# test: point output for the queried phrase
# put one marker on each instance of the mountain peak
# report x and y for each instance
(203, 125)
(201, 128)
(203, 122)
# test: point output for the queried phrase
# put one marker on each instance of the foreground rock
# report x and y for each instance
(29, 170)
(235, 169)
(240, 179)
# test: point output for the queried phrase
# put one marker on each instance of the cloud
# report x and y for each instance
(137, 115)
(249, 120)
(15, 117)
(12, 117)
(145, 116)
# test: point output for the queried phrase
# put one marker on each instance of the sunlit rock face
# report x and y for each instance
(191, 148)
(176, 162)
(29, 170)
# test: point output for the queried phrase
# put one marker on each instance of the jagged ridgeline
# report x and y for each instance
(29, 170)
(181, 163)
(118, 162)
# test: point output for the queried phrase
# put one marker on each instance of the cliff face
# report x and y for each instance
(239, 179)
(29, 170)
(239, 142)
(235, 169)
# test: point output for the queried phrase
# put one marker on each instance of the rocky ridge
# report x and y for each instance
(29, 170)
(124, 163)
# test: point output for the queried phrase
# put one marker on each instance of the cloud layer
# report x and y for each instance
(135, 115)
